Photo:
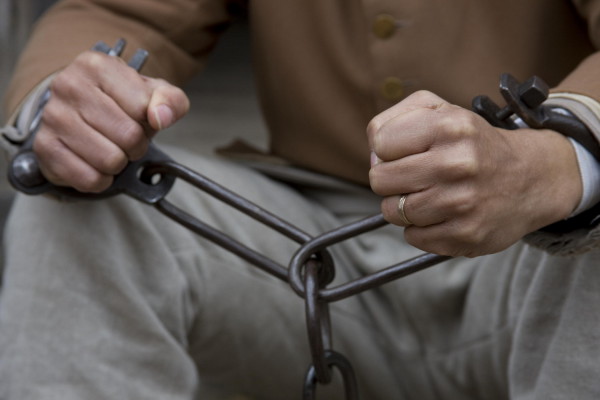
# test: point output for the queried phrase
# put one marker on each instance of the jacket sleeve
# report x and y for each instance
(178, 34)
(585, 79)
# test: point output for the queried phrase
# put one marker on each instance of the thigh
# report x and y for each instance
(110, 299)
(249, 334)
(555, 352)
(519, 324)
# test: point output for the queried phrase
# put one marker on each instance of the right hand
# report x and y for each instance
(472, 188)
(101, 115)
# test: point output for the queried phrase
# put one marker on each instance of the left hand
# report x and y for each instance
(472, 188)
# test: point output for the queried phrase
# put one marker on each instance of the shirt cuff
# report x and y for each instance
(588, 111)
(589, 169)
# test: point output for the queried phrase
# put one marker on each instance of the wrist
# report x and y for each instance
(552, 180)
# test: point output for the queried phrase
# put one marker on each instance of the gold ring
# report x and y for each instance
(405, 221)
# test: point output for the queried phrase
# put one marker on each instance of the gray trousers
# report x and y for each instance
(112, 300)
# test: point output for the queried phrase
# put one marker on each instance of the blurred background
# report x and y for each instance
(223, 98)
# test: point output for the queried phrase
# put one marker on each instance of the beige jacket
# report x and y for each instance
(326, 67)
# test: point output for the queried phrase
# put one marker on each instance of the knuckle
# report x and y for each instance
(131, 132)
(464, 203)
(92, 182)
(52, 115)
(132, 138)
(113, 162)
(91, 60)
(139, 151)
(374, 127)
(377, 142)
(459, 124)
(470, 235)
(45, 144)
(138, 106)
(463, 166)
(423, 95)
(65, 84)
(428, 100)
(377, 180)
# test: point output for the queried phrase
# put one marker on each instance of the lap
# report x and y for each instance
(126, 299)
(113, 294)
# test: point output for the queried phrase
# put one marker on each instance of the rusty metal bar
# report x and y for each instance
(209, 186)
(222, 240)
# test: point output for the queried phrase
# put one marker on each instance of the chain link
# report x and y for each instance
(310, 270)
(337, 360)
(318, 322)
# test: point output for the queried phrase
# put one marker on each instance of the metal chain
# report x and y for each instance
(310, 270)
(150, 179)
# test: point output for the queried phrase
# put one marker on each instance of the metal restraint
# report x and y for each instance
(525, 108)
(311, 268)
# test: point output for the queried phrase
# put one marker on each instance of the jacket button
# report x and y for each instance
(384, 26)
(392, 89)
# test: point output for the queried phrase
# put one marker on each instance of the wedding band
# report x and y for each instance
(405, 221)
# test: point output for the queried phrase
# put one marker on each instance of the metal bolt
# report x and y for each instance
(533, 92)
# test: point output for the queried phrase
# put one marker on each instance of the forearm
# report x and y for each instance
(579, 93)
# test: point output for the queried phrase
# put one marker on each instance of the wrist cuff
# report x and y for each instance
(25, 119)
(589, 169)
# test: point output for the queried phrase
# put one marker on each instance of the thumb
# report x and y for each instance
(167, 105)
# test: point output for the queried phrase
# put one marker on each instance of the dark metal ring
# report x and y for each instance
(343, 365)
(318, 323)
(317, 246)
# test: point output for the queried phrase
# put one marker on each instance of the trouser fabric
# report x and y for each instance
(110, 299)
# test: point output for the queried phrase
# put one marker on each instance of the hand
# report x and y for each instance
(472, 189)
(101, 115)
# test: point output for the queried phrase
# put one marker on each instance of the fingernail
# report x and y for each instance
(164, 116)
(374, 159)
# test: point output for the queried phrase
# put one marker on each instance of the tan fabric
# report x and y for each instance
(320, 64)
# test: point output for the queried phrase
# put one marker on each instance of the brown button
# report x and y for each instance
(392, 88)
(384, 26)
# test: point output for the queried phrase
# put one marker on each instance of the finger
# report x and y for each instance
(414, 173)
(81, 87)
(82, 139)
(115, 78)
(107, 118)
(411, 209)
(418, 172)
(419, 100)
(432, 206)
(395, 211)
(63, 167)
(167, 105)
(406, 134)
(133, 92)
(398, 131)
